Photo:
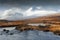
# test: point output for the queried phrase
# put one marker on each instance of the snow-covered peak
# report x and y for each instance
(13, 14)
(19, 14)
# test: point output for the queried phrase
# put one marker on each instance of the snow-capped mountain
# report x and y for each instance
(18, 14)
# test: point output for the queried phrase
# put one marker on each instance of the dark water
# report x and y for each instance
(28, 35)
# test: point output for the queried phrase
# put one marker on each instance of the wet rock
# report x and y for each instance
(4, 29)
(7, 31)
(11, 33)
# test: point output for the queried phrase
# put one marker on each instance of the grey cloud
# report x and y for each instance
(26, 4)
(30, 2)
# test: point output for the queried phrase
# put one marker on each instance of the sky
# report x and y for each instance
(20, 9)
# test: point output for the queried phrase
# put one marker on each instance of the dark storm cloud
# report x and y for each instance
(25, 4)
(30, 2)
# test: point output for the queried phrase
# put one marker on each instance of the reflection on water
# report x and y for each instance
(28, 35)
(8, 28)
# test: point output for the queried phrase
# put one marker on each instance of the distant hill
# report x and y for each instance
(52, 18)
(48, 18)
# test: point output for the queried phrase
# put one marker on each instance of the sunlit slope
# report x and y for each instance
(55, 18)
(52, 20)
(6, 23)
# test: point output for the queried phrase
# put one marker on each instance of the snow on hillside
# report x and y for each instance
(28, 35)
(18, 14)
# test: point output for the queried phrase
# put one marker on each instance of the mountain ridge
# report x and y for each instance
(54, 17)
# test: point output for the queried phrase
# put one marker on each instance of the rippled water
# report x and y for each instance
(28, 35)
